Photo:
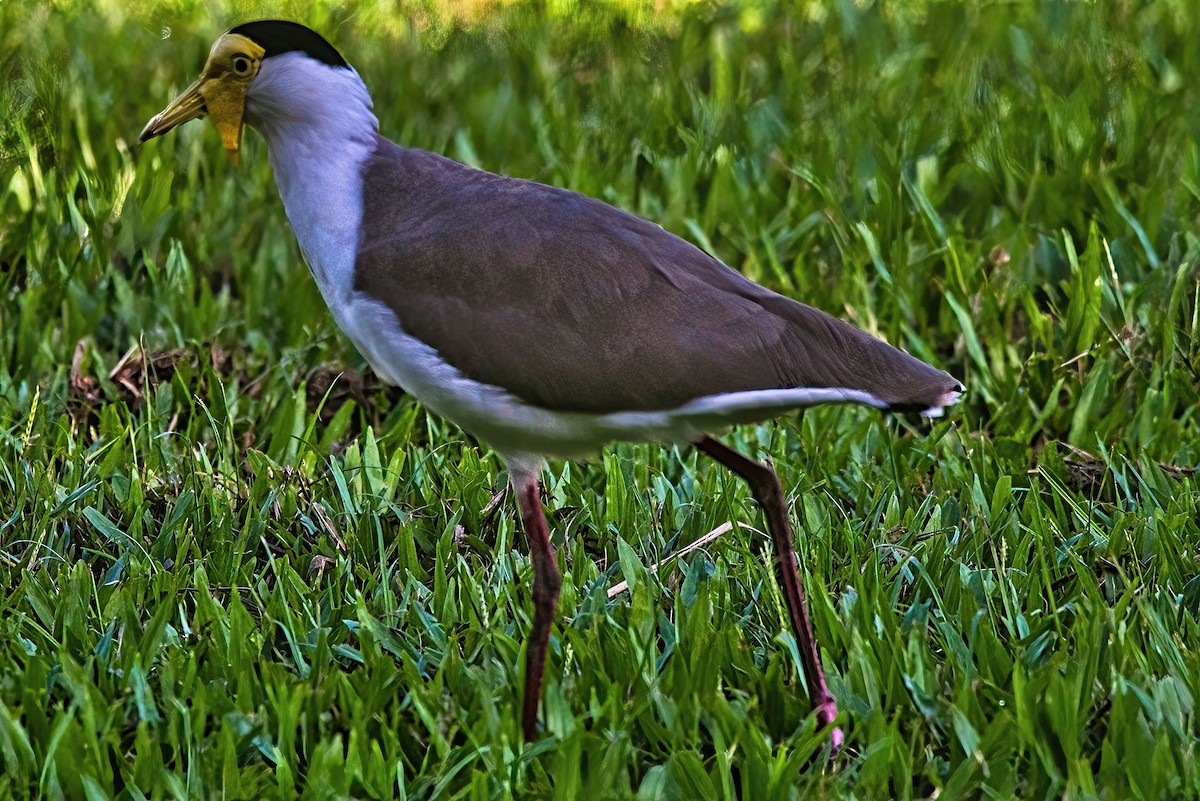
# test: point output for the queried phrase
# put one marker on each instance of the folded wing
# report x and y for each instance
(573, 305)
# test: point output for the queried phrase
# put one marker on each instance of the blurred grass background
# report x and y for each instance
(234, 565)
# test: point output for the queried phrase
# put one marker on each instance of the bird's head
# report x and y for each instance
(225, 86)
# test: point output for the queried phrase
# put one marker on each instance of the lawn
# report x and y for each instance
(234, 565)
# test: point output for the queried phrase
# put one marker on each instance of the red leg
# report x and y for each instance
(764, 485)
(546, 584)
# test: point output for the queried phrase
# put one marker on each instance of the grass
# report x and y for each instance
(234, 566)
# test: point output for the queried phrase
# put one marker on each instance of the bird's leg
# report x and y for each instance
(764, 485)
(546, 584)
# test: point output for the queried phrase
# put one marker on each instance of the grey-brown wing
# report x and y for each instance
(574, 305)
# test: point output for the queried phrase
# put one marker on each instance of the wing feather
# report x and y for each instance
(574, 305)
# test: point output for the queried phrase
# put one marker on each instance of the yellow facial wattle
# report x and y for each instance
(220, 92)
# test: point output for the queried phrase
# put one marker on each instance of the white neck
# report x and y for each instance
(319, 129)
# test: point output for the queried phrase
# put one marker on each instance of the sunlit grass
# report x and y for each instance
(225, 577)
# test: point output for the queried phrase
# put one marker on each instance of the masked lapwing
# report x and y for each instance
(544, 322)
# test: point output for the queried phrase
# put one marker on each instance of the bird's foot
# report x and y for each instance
(836, 740)
(826, 714)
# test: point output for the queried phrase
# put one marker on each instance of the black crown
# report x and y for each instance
(282, 36)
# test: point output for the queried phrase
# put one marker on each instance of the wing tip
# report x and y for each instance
(948, 398)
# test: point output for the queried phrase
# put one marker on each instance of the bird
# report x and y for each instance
(546, 323)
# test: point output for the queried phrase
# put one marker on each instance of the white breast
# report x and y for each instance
(319, 129)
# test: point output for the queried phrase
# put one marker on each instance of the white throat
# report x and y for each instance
(319, 129)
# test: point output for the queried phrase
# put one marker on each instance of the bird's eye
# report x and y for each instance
(241, 65)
